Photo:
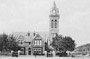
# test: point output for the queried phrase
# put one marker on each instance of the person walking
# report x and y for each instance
(35, 54)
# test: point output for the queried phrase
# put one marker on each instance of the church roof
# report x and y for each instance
(24, 36)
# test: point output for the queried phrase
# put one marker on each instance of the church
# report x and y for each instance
(34, 42)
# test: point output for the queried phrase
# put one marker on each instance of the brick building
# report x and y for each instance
(32, 42)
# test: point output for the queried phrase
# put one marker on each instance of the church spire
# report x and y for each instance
(54, 21)
(54, 10)
(54, 5)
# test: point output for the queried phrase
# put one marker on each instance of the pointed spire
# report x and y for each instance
(54, 9)
(54, 4)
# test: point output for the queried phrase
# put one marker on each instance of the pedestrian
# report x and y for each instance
(35, 54)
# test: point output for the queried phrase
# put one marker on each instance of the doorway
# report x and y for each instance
(29, 51)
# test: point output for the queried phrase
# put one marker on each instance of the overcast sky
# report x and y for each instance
(33, 15)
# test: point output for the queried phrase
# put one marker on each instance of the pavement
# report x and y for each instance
(41, 57)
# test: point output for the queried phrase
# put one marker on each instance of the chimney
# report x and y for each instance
(28, 34)
(34, 34)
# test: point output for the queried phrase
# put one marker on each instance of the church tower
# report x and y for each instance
(54, 21)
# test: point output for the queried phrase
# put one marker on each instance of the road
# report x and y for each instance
(42, 57)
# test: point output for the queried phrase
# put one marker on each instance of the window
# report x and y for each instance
(34, 41)
(55, 23)
(52, 24)
(37, 42)
(40, 42)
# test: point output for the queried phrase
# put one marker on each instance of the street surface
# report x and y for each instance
(42, 57)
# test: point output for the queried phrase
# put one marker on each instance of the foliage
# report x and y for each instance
(70, 44)
(8, 43)
(47, 47)
(3, 41)
(12, 44)
(63, 43)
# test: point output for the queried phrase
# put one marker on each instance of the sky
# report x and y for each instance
(33, 15)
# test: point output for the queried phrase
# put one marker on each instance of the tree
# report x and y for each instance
(61, 43)
(56, 42)
(13, 44)
(4, 41)
(47, 47)
(8, 43)
(70, 44)
(1, 42)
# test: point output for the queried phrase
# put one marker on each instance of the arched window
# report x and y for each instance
(35, 42)
(52, 24)
(55, 23)
(40, 42)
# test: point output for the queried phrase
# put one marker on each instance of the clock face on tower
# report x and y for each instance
(54, 12)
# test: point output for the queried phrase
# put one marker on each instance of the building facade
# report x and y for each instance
(81, 50)
(38, 45)
(54, 21)
(31, 44)
(34, 43)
